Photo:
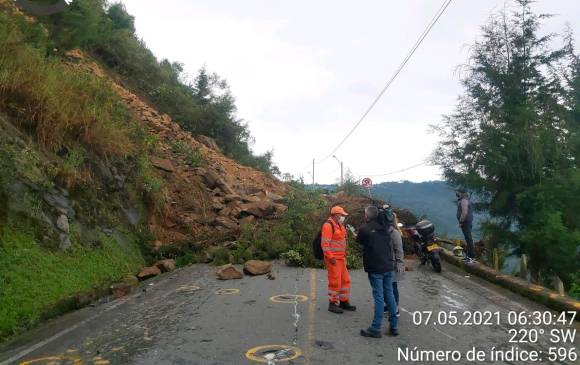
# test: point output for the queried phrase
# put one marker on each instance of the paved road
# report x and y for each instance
(173, 322)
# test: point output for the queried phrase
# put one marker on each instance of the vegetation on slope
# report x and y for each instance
(203, 105)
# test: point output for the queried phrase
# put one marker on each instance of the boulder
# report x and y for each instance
(226, 223)
(228, 272)
(131, 280)
(232, 198)
(257, 267)
(246, 221)
(263, 209)
(119, 290)
(148, 272)
(62, 223)
(166, 265)
(162, 164)
(208, 142)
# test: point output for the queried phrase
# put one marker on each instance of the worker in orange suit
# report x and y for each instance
(333, 243)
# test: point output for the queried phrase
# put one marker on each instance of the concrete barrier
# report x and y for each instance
(537, 293)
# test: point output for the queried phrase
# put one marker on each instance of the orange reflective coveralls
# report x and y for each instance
(334, 246)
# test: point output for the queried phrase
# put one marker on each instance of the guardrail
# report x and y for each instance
(537, 293)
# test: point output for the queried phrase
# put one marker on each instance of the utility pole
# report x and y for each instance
(313, 173)
(341, 170)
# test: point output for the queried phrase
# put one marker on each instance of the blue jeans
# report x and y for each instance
(382, 285)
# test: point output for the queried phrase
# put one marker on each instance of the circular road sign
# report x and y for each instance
(367, 182)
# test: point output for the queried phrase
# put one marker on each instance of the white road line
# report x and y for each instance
(41, 344)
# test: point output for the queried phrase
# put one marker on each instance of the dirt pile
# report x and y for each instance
(204, 200)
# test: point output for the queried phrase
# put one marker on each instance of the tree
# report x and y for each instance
(512, 131)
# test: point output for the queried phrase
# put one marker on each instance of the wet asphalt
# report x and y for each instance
(186, 318)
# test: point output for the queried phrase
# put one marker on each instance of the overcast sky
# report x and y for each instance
(303, 72)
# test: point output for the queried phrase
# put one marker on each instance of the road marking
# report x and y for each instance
(311, 314)
(268, 352)
(187, 288)
(40, 344)
(288, 298)
(227, 291)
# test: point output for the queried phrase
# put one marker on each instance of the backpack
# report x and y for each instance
(316, 242)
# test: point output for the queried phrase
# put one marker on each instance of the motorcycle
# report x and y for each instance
(423, 236)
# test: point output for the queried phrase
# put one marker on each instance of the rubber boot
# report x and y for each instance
(332, 307)
(347, 306)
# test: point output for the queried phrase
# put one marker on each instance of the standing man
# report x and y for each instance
(465, 219)
(380, 266)
(333, 243)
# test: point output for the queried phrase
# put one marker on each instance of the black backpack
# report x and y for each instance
(316, 242)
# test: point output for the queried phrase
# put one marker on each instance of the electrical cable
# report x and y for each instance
(397, 72)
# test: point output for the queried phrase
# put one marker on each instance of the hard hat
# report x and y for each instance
(338, 210)
(458, 251)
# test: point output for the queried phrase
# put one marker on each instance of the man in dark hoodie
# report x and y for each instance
(379, 265)
(465, 219)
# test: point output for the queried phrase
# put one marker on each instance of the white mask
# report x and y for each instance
(341, 219)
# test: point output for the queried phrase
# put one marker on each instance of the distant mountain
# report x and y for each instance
(434, 200)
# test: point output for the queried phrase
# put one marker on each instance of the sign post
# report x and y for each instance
(367, 183)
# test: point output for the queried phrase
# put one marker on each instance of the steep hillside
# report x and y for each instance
(95, 183)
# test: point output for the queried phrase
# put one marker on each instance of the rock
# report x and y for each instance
(166, 265)
(232, 197)
(119, 290)
(247, 221)
(208, 142)
(217, 205)
(148, 272)
(257, 267)
(228, 272)
(207, 258)
(275, 198)
(271, 276)
(65, 243)
(86, 298)
(156, 245)
(162, 164)
(131, 280)
(263, 209)
(231, 245)
(226, 223)
(62, 223)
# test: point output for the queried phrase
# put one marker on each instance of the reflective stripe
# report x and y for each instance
(338, 242)
(344, 289)
(325, 240)
(333, 249)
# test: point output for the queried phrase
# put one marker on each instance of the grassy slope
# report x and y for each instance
(34, 279)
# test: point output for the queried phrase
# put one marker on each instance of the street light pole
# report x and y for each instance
(341, 170)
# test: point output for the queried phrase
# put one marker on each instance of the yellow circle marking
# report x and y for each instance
(288, 298)
(52, 360)
(252, 353)
(227, 291)
(187, 288)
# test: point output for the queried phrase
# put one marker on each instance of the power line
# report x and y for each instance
(395, 172)
(399, 69)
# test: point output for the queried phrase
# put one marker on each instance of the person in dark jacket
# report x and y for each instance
(379, 264)
(465, 219)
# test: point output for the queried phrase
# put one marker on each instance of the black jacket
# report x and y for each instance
(377, 248)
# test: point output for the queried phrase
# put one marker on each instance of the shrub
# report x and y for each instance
(293, 258)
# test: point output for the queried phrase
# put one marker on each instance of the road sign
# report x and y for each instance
(367, 182)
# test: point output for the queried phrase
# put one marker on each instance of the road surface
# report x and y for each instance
(186, 318)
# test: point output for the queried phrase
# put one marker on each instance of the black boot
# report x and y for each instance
(347, 307)
(370, 333)
(332, 307)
